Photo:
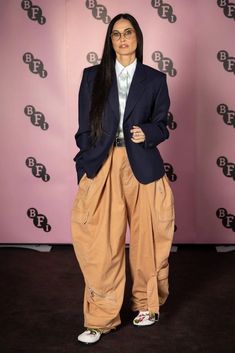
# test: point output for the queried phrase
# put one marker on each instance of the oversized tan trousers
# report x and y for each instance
(101, 209)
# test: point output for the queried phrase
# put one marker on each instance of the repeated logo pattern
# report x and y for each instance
(228, 61)
(164, 64)
(36, 118)
(35, 65)
(228, 219)
(34, 12)
(228, 115)
(39, 220)
(228, 8)
(38, 169)
(164, 10)
(99, 11)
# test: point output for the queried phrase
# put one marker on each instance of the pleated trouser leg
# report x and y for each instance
(151, 221)
(99, 218)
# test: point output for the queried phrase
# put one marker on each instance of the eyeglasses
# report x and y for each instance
(128, 33)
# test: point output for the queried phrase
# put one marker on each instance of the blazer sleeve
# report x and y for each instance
(83, 135)
(156, 130)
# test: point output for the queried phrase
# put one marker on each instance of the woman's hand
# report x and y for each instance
(137, 134)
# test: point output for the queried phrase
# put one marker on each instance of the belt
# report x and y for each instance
(119, 142)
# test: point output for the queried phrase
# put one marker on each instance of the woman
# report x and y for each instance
(123, 107)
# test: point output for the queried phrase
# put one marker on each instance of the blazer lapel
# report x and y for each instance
(136, 89)
(135, 92)
(113, 97)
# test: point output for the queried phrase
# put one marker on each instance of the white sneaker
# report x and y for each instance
(145, 318)
(91, 335)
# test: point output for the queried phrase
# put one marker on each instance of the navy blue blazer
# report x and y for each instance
(147, 107)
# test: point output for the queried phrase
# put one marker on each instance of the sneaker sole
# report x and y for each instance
(137, 325)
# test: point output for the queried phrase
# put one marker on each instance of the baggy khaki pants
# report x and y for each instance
(101, 209)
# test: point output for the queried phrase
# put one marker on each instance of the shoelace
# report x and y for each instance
(93, 331)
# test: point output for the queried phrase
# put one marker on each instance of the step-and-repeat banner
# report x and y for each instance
(44, 47)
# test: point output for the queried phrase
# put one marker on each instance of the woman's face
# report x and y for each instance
(126, 44)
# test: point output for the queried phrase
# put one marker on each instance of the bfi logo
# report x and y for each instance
(229, 8)
(228, 220)
(228, 115)
(170, 172)
(38, 169)
(34, 12)
(35, 65)
(99, 12)
(170, 121)
(228, 61)
(164, 64)
(36, 118)
(39, 220)
(165, 11)
(227, 167)
(92, 58)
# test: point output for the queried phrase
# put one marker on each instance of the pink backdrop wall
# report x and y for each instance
(61, 34)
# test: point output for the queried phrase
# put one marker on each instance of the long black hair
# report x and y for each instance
(103, 79)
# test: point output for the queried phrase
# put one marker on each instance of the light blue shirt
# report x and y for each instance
(124, 78)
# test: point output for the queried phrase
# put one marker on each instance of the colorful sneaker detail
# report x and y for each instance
(145, 318)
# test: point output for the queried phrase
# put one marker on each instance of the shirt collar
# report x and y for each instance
(130, 68)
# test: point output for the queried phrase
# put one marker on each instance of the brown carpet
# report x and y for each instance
(41, 305)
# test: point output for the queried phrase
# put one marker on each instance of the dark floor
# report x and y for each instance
(41, 305)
